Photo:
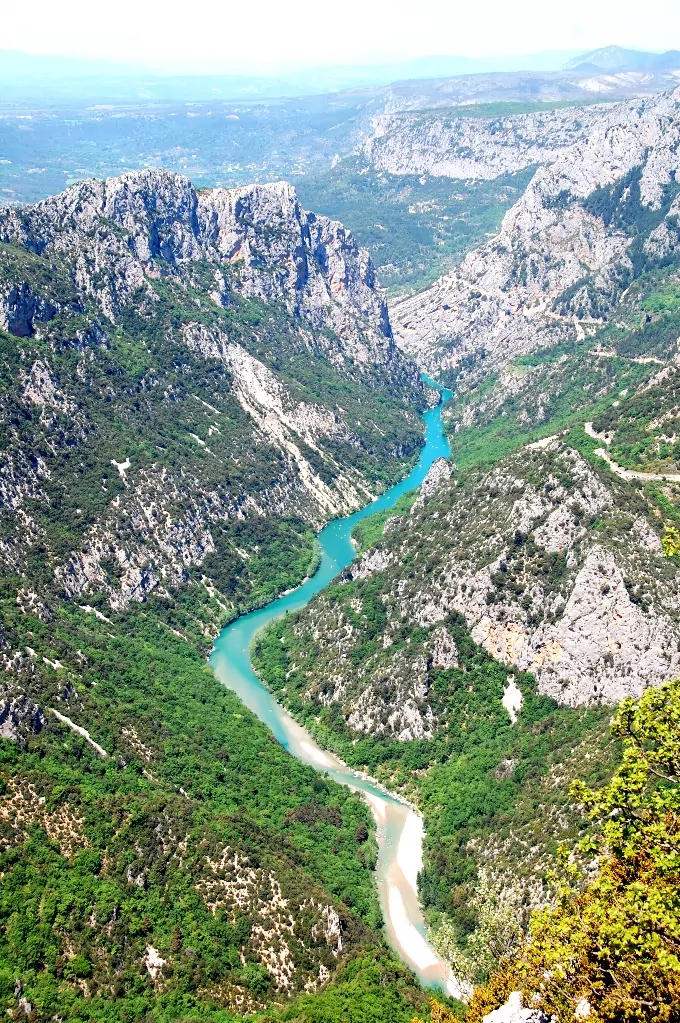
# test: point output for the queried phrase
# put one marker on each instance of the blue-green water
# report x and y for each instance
(399, 828)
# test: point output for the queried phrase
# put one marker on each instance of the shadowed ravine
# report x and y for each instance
(400, 829)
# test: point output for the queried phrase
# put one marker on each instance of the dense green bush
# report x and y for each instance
(610, 943)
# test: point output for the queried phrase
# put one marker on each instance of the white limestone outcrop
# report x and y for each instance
(555, 265)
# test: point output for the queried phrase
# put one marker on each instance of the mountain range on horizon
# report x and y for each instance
(33, 77)
(616, 58)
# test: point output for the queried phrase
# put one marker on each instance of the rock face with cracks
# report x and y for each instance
(186, 362)
(589, 220)
(124, 231)
(552, 569)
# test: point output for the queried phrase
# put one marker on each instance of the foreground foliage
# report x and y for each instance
(497, 934)
(374, 988)
(614, 941)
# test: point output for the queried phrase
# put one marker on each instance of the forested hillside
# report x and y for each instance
(416, 226)
(192, 383)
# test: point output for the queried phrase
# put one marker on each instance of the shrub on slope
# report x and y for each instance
(610, 947)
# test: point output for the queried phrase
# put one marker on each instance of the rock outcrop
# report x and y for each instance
(21, 309)
(20, 717)
(438, 473)
(455, 146)
(514, 1012)
(586, 224)
(122, 232)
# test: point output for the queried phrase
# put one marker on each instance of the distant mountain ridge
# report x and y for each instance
(616, 58)
(55, 78)
(30, 75)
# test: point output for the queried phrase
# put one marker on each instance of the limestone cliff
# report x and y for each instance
(121, 233)
(180, 364)
(587, 224)
(556, 568)
(449, 144)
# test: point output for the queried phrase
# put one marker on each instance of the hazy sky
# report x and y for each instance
(261, 35)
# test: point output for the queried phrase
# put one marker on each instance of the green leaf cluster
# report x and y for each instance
(612, 942)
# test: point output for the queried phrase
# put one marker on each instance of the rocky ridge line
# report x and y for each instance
(451, 145)
(556, 269)
(121, 233)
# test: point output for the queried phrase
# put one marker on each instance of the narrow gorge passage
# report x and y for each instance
(399, 827)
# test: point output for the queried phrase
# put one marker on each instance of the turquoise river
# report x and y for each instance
(399, 827)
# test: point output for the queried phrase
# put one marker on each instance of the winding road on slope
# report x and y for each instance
(620, 470)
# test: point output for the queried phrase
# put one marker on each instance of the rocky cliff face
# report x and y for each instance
(21, 310)
(120, 233)
(556, 569)
(442, 145)
(587, 224)
(188, 362)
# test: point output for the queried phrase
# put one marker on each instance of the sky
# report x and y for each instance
(264, 36)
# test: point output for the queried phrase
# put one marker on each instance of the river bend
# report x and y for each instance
(399, 827)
